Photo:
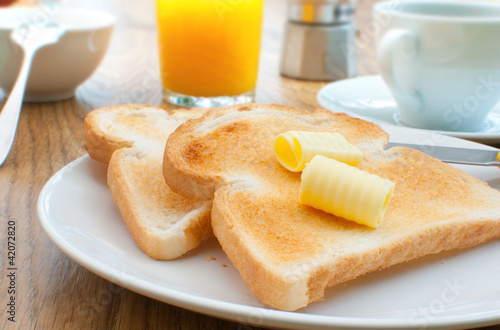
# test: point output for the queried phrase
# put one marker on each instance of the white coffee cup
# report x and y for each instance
(440, 60)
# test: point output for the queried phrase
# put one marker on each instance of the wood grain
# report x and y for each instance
(54, 292)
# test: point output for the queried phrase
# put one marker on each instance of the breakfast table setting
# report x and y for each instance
(68, 259)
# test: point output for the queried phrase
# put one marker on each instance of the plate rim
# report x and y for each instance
(222, 309)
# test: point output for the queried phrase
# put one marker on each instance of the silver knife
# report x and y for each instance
(456, 155)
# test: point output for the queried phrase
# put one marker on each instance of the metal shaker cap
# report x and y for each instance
(321, 11)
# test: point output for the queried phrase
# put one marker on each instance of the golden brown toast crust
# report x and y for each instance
(131, 139)
(189, 150)
(164, 224)
(289, 253)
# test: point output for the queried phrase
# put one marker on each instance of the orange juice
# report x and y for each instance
(209, 48)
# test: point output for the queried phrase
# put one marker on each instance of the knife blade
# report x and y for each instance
(456, 155)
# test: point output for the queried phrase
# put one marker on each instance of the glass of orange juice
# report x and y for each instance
(209, 50)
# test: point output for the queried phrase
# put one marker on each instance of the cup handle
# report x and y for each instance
(385, 56)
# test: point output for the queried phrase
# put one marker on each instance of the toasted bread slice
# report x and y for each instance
(131, 139)
(289, 253)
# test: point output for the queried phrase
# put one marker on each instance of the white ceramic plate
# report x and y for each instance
(369, 98)
(448, 290)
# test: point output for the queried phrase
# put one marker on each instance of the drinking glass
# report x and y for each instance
(209, 50)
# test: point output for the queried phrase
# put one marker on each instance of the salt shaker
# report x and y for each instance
(320, 40)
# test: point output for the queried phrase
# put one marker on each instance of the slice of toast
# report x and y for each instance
(289, 253)
(131, 139)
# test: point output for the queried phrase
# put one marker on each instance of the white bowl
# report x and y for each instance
(57, 69)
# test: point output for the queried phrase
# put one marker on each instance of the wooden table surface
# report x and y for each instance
(51, 290)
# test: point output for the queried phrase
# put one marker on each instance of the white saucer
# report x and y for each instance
(369, 98)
